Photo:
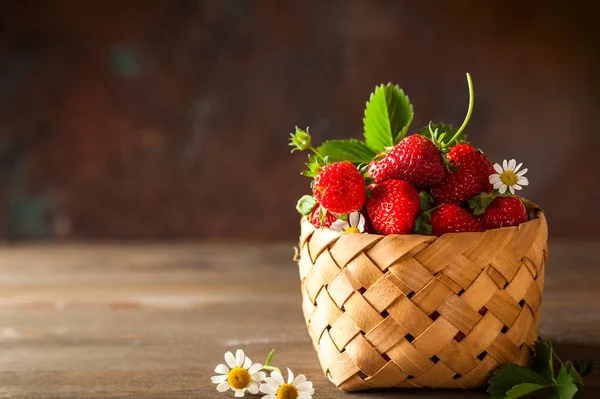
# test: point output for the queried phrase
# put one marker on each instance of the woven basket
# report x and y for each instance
(422, 311)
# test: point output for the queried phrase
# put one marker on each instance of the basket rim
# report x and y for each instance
(531, 207)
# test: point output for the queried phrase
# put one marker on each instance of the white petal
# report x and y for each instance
(306, 395)
(300, 378)
(290, 376)
(521, 173)
(253, 389)
(502, 189)
(277, 377)
(239, 393)
(497, 185)
(217, 379)
(222, 387)
(516, 187)
(512, 190)
(239, 358)
(305, 386)
(353, 218)
(254, 368)
(505, 164)
(361, 223)
(270, 381)
(511, 164)
(247, 363)
(266, 388)
(498, 168)
(523, 181)
(222, 369)
(339, 225)
(518, 167)
(260, 376)
(494, 178)
(269, 397)
(230, 359)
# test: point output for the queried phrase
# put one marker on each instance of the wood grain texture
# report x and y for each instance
(152, 321)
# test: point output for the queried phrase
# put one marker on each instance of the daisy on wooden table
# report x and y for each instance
(240, 376)
(296, 388)
(508, 177)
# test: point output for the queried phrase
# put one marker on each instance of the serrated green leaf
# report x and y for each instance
(520, 390)
(542, 362)
(306, 204)
(354, 151)
(387, 117)
(565, 386)
(585, 366)
(507, 376)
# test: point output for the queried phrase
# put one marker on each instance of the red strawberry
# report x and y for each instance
(504, 212)
(471, 177)
(340, 188)
(450, 218)
(416, 160)
(315, 218)
(393, 207)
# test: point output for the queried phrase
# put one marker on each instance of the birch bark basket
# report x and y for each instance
(422, 311)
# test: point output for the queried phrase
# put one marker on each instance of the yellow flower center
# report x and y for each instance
(287, 391)
(238, 378)
(509, 178)
(352, 230)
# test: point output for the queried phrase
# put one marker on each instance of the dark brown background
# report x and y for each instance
(169, 119)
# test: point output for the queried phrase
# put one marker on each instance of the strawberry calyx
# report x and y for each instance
(480, 202)
(422, 222)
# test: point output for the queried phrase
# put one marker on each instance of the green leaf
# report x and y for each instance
(507, 376)
(585, 366)
(387, 117)
(565, 386)
(524, 389)
(574, 374)
(481, 201)
(427, 200)
(542, 362)
(306, 204)
(354, 151)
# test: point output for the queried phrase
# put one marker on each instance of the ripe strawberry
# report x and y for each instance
(504, 212)
(416, 160)
(450, 218)
(471, 177)
(340, 188)
(315, 218)
(393, 207)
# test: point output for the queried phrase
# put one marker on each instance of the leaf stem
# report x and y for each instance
(469, 112)
(267, 366)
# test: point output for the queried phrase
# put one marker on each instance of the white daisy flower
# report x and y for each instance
(243, 375)
(296, 388)
(354, 224)
(508, 177)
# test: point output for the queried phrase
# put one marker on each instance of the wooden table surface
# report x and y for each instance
(153, 321)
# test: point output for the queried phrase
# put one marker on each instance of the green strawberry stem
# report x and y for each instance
(469, 112)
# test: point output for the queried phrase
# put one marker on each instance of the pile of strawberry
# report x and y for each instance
(430, 182)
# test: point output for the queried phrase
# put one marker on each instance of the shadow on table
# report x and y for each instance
(566, 351)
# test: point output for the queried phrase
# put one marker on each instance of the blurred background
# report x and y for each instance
(146, 119)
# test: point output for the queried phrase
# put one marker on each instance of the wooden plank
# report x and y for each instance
(152, 321)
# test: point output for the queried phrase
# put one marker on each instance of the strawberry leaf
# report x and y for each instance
(387, 117)
(565, 386)
(543, 360)
(511, 375)
(524, 389)
(585, 366)
(306, 204)
(354, 151)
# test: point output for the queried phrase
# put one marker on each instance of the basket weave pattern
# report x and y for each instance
(422, 311)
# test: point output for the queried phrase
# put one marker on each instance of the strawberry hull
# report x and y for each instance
(422, 311)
